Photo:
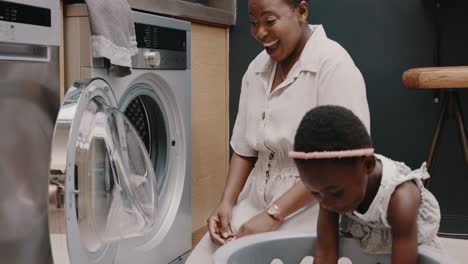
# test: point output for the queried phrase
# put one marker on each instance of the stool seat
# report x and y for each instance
(436, 77)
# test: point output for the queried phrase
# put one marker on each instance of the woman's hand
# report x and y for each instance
(294, 199)
(260, 223)
(218, 224)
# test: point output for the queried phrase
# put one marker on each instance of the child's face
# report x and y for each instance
(337, 186)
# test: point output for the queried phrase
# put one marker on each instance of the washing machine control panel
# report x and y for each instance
(152, 58)
(160, 48)
(159, 59)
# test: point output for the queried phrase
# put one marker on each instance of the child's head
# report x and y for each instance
(338, 183)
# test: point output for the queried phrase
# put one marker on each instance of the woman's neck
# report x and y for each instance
(288, 63)
(373, 185)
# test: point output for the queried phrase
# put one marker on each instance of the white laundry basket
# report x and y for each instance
(291, 248)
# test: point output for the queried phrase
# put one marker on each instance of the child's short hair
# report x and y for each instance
(331, 128)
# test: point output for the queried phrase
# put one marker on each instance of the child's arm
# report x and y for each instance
(327, 237)
(402, 214)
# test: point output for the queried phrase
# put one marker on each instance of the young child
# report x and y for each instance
(381, 202)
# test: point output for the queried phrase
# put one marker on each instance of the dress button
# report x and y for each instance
(271, 155)
(267, 173)
(263, 115)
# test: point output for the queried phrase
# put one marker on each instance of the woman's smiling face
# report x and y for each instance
(278, 26)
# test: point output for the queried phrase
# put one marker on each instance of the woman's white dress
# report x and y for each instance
(267, 121)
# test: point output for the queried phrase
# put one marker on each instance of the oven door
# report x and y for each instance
(102, 187)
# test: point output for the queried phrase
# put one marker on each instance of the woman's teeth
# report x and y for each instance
(270, 43)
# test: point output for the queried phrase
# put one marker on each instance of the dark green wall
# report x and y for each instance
(386, 37)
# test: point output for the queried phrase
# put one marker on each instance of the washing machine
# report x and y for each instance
(120, 186)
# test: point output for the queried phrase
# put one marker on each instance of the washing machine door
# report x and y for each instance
(102, 186)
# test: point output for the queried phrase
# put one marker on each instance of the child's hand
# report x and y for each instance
(327, 237)
(260, 223)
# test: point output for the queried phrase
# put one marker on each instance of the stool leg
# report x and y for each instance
(461, 125)
(458, 114)
(435, 138)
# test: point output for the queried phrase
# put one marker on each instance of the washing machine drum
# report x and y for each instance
(102, 182)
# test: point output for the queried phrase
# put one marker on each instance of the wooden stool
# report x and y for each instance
(447, 80)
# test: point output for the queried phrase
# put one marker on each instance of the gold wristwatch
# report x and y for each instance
(274, 211)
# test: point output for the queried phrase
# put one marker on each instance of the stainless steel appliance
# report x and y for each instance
(29, 102)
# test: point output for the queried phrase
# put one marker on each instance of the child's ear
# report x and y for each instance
(369, 163)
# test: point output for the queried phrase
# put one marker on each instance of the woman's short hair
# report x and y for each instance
(295, 3)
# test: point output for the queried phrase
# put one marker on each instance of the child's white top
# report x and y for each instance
(372, 227)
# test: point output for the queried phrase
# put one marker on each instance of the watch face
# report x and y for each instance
(273, 210)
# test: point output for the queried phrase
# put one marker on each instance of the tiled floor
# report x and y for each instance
(456, 248)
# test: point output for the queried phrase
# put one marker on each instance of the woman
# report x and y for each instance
(300, 69)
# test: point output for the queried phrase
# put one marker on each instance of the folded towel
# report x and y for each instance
(113, 34)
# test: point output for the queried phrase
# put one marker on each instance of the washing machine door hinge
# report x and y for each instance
(56, 189)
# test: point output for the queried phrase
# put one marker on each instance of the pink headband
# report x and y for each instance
(331, 154)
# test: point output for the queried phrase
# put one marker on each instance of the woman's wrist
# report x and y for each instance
(227, 202)
(292, 201)
(275, 212)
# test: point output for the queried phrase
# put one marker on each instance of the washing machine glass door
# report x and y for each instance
(102, 186)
